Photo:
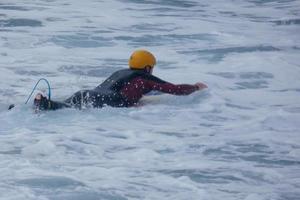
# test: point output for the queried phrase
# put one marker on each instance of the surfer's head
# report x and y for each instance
(142, 59)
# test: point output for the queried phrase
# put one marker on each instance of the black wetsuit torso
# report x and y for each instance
(107, 93)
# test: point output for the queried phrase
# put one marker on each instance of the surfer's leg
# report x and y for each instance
(85, 98)
(54, 105)
(95, 99)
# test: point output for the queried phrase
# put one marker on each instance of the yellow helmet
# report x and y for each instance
(140, 59)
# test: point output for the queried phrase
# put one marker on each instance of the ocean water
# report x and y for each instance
(237, 140)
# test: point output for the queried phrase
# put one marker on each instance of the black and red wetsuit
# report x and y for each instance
(123, 88)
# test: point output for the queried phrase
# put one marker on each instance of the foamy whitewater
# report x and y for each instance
(237, 140)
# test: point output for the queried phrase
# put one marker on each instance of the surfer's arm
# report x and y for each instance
(180, 89)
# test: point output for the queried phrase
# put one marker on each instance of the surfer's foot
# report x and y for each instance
(40, 102)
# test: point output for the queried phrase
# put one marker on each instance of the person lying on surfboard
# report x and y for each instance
(124, 88)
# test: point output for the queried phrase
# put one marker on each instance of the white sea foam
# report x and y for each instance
(239, 139)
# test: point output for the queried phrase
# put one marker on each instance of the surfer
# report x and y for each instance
(124, 88)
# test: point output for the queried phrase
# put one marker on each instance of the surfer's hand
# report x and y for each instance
(200, 86)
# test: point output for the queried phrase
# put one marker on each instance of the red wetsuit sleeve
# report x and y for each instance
(141, 86)
(181, 89)
(136, 88)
